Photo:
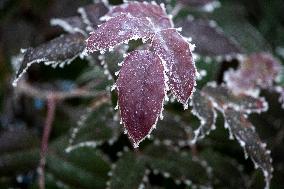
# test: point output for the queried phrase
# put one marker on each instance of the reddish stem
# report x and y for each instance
(51, 107)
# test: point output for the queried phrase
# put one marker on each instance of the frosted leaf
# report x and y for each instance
(117, 31)
(154, 12)
(245, 133)
(208, 38)
(141, 92)
(60, 50)
(176, 53)
(91, 15)
(204, 110)
(70, 24)
(172, 131)
(179, 165)
(243, 103)
(224, 167)
(128, 172)
(258, 70)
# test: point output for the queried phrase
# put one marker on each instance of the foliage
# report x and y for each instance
(145, 51)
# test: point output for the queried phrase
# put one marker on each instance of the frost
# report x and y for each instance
(204, 110)
(134, 28)
(92, 144)
(260, 71)
(224, 98)
(70, 24)
(245, 133)
(154, 12)
(175, 51)
(140, 88)
(59, 51)
(91, 15)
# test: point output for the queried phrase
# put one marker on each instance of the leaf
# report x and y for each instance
(172, 131)
(259, 70)
(232, 18)
(156, 13)
(246, 135)
(119, 30)
(208, 38)
(94, 127)
(224, 98)
(127, 173)
(178, 165)
(204, 110)
(223, 168)
(176, 52)
(82, 168)
(141, 93)
(72, 174)
(17, 139)
(12, 163)
(196, 3)
(72, 24)
(61, 50)
(91, 15)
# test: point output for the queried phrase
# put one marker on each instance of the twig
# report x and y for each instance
(51, 107)
(29, 90)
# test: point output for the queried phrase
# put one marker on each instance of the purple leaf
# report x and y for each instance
(118, 30)
(204, 110)
(209, 39)
(141, 92)
(224, 98)
(58, 51)
(258, 70)
(91, 15)
(70, 24)
(176, 53)
(245, 133)
(154, 12)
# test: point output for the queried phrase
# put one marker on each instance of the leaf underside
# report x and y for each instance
(70, 24)
(60, 50)
(243, 103)
(204, 110)
(141, 92)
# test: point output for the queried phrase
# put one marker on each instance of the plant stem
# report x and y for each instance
(51, 107)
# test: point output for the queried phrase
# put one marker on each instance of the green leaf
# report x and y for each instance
(128, 172)
(224, 168)
(179, 165)
(72, 174)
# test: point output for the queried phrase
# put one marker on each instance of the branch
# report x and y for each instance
(51, 107)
